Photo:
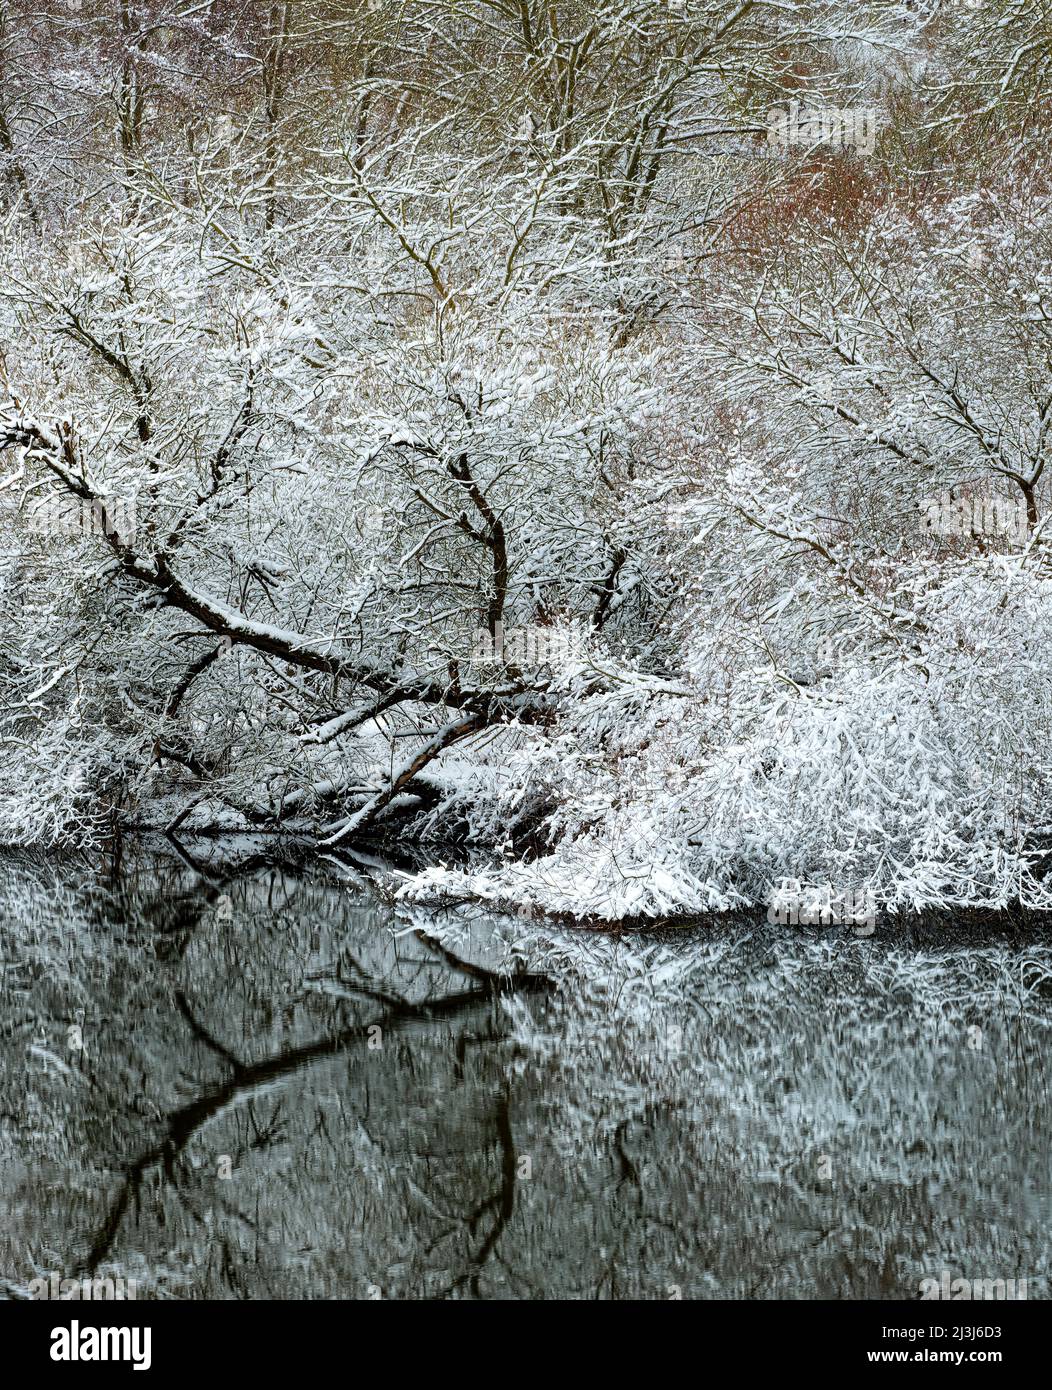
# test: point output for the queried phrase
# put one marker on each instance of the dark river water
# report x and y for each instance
(223, 1078)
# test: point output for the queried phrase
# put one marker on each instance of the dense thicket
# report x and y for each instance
(480, 420)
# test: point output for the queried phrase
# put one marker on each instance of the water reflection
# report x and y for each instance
(289, 1088)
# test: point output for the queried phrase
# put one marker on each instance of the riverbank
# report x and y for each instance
(400, 871)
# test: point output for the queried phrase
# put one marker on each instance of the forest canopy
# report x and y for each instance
(608, 437)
